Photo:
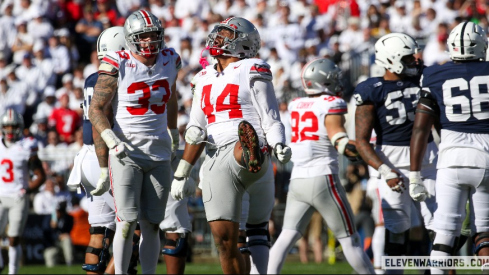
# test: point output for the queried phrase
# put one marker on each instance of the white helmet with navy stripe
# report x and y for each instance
(140, 22)
(111, 39)
(467, 41)
(391, 48)
(322, 76)
(12, 118)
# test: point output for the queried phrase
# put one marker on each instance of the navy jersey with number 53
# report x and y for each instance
(461, 90)
(88, 94)
(395, 103)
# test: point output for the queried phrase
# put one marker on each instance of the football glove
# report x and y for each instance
(181, 186)
(389, 174)
(417, 191)
(103, 183)
(116, 147)
(282, 152)
(194, 135)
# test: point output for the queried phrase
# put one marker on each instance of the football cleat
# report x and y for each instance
(252, 156)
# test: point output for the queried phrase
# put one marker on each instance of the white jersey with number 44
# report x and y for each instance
(223, 99)
(140, 102)
(312, 152)
(14, 170)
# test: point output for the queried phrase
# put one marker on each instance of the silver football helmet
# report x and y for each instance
(322, 76)
(467, 41)
(244, 44)
(12, 118)
(140, 22)
(111, 39)
(391, 48)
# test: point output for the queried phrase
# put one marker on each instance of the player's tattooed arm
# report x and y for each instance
(364, 124)
(104, 91)
(101, 115)
(35, 165)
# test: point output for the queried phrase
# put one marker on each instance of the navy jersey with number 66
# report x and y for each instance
(88, 94)
(461, 90)
(395, 103)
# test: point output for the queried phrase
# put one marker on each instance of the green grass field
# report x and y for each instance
(203, 268)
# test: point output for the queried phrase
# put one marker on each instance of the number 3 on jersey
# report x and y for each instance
(144, 100)
(307, 133)
(234, 108)
(8, 165)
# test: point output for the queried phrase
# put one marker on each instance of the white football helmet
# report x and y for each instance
(322, 76)
(111, 39)
(467, 41)
(12, 118)
(246, 41)
(391, 48)
(140, 22)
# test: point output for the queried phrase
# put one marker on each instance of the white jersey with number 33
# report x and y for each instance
(140, 103)
(312, 152)
(222, 100)
(14, 173)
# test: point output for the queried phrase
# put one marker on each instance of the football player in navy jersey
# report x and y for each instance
(456, 94)
(387, 104)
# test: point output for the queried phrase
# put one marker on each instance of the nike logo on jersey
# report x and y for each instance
(237, 66)
(164, 64)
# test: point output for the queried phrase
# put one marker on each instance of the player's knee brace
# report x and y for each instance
(396, 243)
(181, 246)
(483, 238)
(258, 234)
(243, 245)
(102, 253)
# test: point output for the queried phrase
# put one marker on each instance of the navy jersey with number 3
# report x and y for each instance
(88, 94)
(395, 103)
(461, 90)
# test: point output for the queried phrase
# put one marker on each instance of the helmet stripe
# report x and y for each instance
(10, 114)
(147, 18)
(462, 49)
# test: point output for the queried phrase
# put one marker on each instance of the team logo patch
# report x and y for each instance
(358, 99)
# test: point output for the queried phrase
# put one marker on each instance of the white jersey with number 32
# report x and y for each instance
(312, 152)
(222, 100)
(14, 170)
(140, 102)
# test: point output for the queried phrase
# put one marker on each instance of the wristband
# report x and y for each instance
(110, 138)
(183, 169)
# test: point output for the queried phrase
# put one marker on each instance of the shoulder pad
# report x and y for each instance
(172, 53)
(109, 65)
(261, 70)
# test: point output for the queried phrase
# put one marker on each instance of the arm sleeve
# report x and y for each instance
(265, 102)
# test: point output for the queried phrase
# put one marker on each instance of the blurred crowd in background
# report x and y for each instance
(48, 49)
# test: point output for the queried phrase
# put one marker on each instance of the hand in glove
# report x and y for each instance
(195, 135)
(393, 179)
(103, 183)
(116, 147)
(175, 139)
(282, 152)
(181, 186)
(417, 191)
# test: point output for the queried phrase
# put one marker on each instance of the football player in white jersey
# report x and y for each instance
(18, 159)
(86, 170)
(387, 104)
(318, 135)
(236, 113)
(139, 85)
(454, 94)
